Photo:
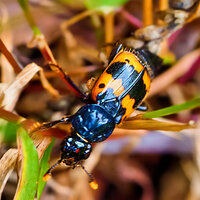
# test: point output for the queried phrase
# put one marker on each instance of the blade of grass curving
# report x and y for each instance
(172, 109)
(43, 169)
(25, 6)
(30, 168)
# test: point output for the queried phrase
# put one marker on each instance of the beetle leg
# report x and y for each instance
(68, 81)
(46, 125)
(91, 82)
(47, 175)
(142, 107)
(89, 175)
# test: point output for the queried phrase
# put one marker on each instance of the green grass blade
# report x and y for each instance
(8, 131)
(25, 7)
(30, 168)
(173, 109)
(43, 169)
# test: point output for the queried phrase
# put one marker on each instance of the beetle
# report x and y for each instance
(118, 91)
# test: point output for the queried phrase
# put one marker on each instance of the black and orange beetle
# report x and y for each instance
(118, 91)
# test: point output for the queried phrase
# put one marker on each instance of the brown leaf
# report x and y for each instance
(7, 165)
(13, 90)
(152, 125)
(11, 93)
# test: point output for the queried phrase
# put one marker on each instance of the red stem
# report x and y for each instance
(131, 19)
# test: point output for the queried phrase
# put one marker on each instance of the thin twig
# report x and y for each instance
(77, 18)
(17, 68)
(131, 18)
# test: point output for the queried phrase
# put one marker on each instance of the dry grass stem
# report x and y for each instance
(147, 12)
(109, 30)
(163, 4)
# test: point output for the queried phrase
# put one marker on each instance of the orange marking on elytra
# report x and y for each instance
(127, 103)
(104, 78)
(147, 81)
(117, 87)
(130, 58)
(109, 82)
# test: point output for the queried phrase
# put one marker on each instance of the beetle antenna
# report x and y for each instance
(92, 181)
(47, 175)
(90, 175)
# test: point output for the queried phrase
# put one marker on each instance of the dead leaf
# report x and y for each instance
(7, 165)
(154, 124)
(13, 91)
(11, 94)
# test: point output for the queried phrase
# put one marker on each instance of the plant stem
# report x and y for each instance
(131, 19)
(32, 23)
(25, 7)
(77, 18)
(17, 68)
(147, 12)
(109, 30)
(44, 49)
(163, 4)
